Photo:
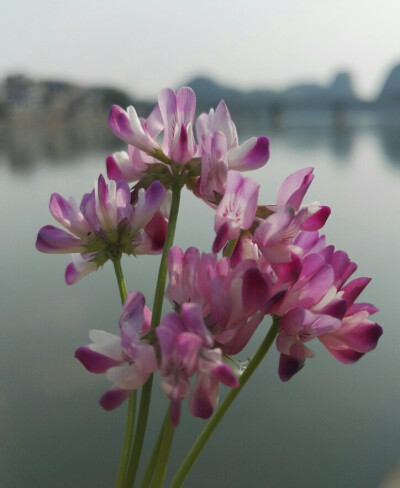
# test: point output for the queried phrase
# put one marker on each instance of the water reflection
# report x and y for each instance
(23, 148)
(389, 138)
(345, 419)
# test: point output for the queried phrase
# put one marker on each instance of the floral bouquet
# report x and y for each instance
(265, 260)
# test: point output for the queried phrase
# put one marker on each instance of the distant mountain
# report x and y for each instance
(341, 87)
(209, 92)
(22, 97)
(391, 87)
(340, 90)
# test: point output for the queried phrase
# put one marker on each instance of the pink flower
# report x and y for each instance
(318, 305)
(236, 210)
(185, 345)
(128, 359)
(129, 166)
(297, 327)
(182, 271)
(220, 151)
(127, 126)
(138, 160)
(104, 226)
(177, 112)
(233, 300)
(357, 334)
(276, 234)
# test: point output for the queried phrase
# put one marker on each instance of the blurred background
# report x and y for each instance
(322, 80)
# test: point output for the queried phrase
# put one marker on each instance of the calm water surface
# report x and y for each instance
(331, 426)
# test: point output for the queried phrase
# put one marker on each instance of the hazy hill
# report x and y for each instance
(391, 87)
(339, 91)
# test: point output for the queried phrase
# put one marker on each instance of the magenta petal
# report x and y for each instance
(94, 361)
(353, 289)
(175, 411)
(204, 396)
(250, 155)
(225, 375)
(255, 290)
(317, 219)
(346, 356)
(201, 406)
(179, 151)
(294, 187)
(119, 123)
(56, 241)
(77, 269)
(113, 398)
(186, 104)
(362, 307)
(154, 123)
(148, 203)
(288, 367)
(131, 318)
(336, 308)
(222, 237)
(193, 316)
(221, 305)
(288, 271)
(156, 231)
(363, 338)
(113, 170)
(241, 335)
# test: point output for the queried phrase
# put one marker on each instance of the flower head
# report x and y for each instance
(220, 151)
(187, 349)
(236, 210)
(128, 359)
(104, 226)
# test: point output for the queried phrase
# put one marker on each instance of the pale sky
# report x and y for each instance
(145, 45)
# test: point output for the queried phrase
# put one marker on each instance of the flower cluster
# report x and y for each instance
(106, 224)
(275, 262)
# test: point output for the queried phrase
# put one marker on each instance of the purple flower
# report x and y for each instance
(127, 359)
(236, 210)
(297, 327)
(104, 226)
(276, 235)
(357, 334)
(128, 166)
(177, 112)
(138, 160)
(318, 305)
(182, 271)
(233, 299)
(220, 152)
(127, 126)
(186, 349)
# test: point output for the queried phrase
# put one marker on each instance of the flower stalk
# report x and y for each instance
(206, 433)
(160, 467)
(131, 410)
(156, 316)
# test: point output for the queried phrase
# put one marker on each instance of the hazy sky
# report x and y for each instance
(146, 45)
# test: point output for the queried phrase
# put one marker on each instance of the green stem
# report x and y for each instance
(127, 442)
(148, 474)
(120, 279)
(131, 411)
(155, 320)
(163, 452)
(220, 412)
(229, 248)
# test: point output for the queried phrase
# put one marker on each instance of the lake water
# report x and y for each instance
(331, 426)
